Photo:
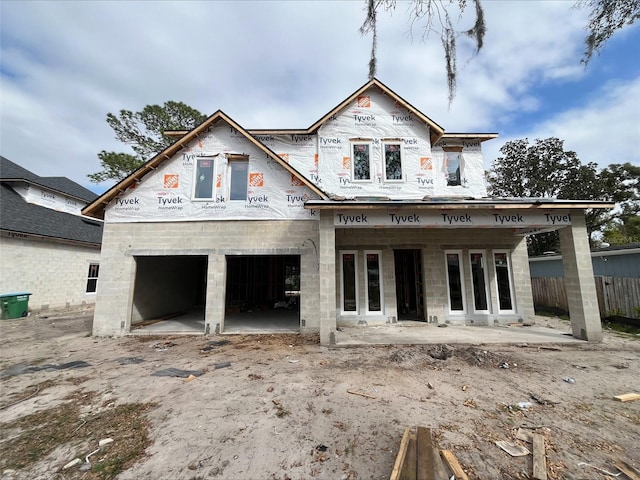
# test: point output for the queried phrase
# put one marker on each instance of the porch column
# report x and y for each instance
(327, 270)
(579, 281)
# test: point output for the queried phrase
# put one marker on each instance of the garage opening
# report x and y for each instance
(262, 293)
(169, 294)
(409, 295)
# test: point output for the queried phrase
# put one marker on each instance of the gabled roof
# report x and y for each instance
(19, 216)
(96, 208)
(12, 172)
(436, 131)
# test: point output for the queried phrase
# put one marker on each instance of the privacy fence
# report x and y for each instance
(616, 295)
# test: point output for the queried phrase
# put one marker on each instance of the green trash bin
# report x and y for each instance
(14, 305)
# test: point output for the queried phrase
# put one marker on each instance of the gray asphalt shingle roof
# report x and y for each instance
(18, 215)
(10, 171)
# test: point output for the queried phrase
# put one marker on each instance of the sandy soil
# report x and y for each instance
(266, 406)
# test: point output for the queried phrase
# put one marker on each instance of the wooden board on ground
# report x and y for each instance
(410, 460)
(628, 470)
(512, 449)
(402, 453)
(539, 458)
(628, 397)
(424, 469)
(524, 435)
(417, 457)
(453, 464)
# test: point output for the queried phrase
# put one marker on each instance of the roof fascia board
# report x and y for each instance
(52, 239)
(356, 205)
(483, 137)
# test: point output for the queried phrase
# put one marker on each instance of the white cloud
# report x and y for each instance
(64, 65)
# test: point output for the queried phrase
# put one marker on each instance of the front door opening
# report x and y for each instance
(409, 294)
(169, 294)
(262, 293)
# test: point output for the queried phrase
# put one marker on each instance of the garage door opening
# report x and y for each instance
(169, 294)
(262, 294)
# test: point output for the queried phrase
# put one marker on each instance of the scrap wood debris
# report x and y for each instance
(418, 458)
(366, 395)
(627, 397)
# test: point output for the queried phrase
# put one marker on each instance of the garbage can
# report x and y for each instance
(14, 305)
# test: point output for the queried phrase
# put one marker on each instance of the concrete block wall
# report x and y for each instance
(55, 273)
(433, 244)
(123, 241)
(579, 282)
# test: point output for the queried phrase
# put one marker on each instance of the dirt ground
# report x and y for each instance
(281, 407)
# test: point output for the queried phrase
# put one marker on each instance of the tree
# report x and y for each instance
(428, 11)
(605, 18)
(546, 170)
(144, 132)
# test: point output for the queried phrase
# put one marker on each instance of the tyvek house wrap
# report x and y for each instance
(167, 194)
(375, 118)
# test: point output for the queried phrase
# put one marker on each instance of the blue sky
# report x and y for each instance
(64, 65)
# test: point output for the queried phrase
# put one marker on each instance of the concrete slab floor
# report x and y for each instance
(544, 330)
(418, 333)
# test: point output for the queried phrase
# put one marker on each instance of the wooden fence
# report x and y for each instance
(616, 295)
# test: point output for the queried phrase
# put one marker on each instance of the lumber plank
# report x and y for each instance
(410, 460)
(539, 458)
(524, 435)
(439, 470)
(628, 470)
(628, 397)
(424, 470)
(402, 452)
(453, 464)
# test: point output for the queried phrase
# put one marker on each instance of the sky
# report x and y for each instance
(284, 64)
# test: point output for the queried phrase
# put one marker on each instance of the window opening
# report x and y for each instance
(453, 164)
(205, 173)
(239, 173)
(374, 287)
(479, 277)
(503, 279)
(454, 281)
(349, 282)
(361, 161)
(92, 278)
(392, 161)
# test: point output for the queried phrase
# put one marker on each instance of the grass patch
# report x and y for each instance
(31, 438)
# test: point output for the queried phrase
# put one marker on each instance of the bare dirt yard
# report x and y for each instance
(283, 407)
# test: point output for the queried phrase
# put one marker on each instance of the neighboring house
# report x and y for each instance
(46, 247)
(617, 278)
(372, 215)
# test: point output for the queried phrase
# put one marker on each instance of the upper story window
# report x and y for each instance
(239, 177)
(361, 161)
(205, 173)
(209, 184)
(453, 168)
(453, 165)
(392, 152)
